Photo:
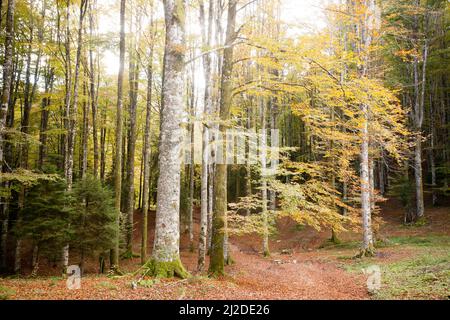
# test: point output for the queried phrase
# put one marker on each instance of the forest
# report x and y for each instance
(224, 149)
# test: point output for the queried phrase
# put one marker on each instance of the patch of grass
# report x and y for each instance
(344, 257)
(358, 264)
(53, 282)
(416, 241)
(328, 244)
(425, 277)
(6, 293)
(197, 279)
(299, 227)
(148, 283)
(107, 285)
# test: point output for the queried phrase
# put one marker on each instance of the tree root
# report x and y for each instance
(164, 269)
(367, 252)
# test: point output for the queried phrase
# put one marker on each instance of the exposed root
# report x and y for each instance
(367, 252)
(164, 269)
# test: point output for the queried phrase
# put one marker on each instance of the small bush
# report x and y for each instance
(6, 293)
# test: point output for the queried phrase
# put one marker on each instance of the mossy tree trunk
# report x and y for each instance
(165, 261)
(216, 265)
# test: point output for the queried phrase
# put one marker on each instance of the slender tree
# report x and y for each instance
(119, 125)
(7, 73)
(217, 261)
(206, 41)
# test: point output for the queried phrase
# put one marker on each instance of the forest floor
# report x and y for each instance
(414, 263)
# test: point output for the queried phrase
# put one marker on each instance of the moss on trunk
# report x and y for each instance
(334, 237)
(165, 269)
(366, 252)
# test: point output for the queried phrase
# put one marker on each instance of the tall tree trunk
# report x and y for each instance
(367, 248)
(381, 174)
(134, 86)
(103, 142)
(190, 224)
(68, 90)
(264, 176)
(166, 252)
(419, 96)
(119, 124)
(72, 115)
(84, 133)
(372, 183)
(366, 212)
(49, 78)
(25, 123)
(274, 153)
(431, 153)
(206, 41)
(216, 265)
(248, 167)
(93, 94)
(74, 109)
(35, 260)
(146, 158)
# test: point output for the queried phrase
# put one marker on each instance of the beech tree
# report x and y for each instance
(118, 145)
(216, 264)
(165, 261)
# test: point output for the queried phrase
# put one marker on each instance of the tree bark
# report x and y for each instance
(165, 260)
(49, 78)
(190, 224)
(119, 124)
(419, 96)
(264, 176)
(216, 266)
(93, 94)
(431, 153)
(103, 142)
(134, 87)
(84, 134)
(363, 51)
(146, 159)
(72, 115)
(365, 186)
(7, 73)
(206, 41)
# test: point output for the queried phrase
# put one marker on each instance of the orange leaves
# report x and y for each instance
(406, 55)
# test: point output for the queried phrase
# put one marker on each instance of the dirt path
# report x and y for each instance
(292, 277)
